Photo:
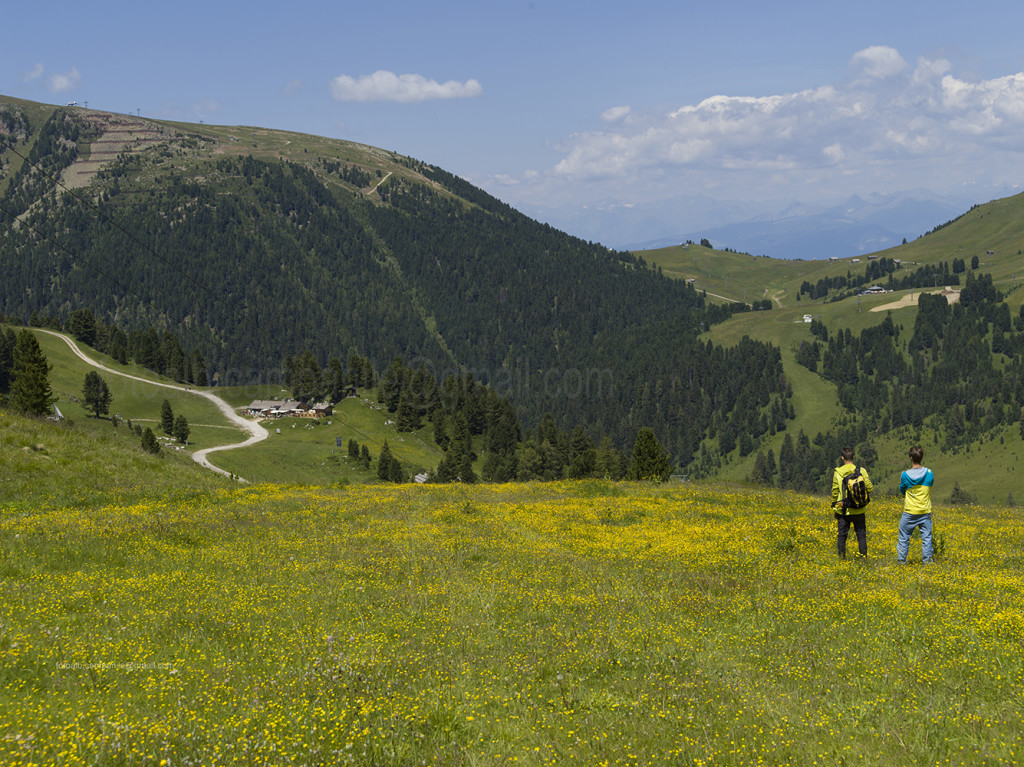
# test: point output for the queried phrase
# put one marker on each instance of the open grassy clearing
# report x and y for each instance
(308, 451)
(572, 623)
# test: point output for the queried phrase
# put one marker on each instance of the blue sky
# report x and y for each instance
(568, 105)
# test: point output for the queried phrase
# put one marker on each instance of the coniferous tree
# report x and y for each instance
(149, 443)
(181, 429)
(384, 462)
(82, 326)
(353, 449)
(306, 379)
(7, 343)
(335, 380)
(199, 377)
(364, 457)
(167, 418)
(608, 460)
(530, 462)
(761, 474)
(96, 394)
(395, 471)
(408, 417)
(649, 459)
(30, 382)
(392, 385)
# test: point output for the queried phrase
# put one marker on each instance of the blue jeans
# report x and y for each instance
(907, 524)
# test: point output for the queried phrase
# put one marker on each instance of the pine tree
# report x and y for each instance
(353, 449)
(149, 443)
(364, 457)
(384, 462)
(30, 384)
(167, 418)
(582, 454)
(7, 343)
(181, 429)
(761, 474)
(199, 369)
(96, 394)
(395, 472)
(649, 460)
(82, 325)
(408, 416)
(609, 460)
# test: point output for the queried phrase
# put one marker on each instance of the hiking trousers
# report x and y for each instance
(860, 527)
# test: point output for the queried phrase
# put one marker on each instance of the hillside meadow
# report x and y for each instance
(566, 623)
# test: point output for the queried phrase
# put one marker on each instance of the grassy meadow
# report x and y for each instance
(568, 623)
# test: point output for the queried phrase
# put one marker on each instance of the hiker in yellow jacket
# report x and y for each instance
(846, 510)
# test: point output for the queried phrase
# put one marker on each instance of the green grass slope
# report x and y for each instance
(994, 232)
(535, 624)
(47, 465)
(996, 226)
(306, 451)
(299, 450)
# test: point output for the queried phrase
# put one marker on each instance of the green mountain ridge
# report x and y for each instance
(252, 244)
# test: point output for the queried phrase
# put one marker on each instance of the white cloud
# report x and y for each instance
(889, 121)
(834, 152)
(293, 87)
(64, 82)
(615, 114)
(879, 61)
(387, 86)
(33, 74)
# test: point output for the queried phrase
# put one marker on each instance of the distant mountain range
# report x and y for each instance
(795, 230)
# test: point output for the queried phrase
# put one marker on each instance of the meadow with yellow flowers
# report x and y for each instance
(569, 623)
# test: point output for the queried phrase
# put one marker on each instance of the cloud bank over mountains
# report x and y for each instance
(888, 125)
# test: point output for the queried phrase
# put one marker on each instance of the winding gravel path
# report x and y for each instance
(256, 432)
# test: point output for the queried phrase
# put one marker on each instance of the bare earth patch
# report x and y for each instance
(952, 296)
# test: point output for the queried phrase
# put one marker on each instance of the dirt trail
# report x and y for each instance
(256, 432)
(952, 296)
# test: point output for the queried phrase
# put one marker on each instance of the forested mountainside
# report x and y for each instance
(252, 247)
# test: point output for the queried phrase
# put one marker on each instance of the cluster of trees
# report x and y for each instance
(359, 453)
(311, 383)
(469, 419)
(806, 465)
(350, 174)
(882, 272)
(174, 426)
(390, 468)
(960, 368)
(159, 351)
(55, 148)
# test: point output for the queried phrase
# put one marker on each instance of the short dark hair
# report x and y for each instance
(847, 453)
(916, 454)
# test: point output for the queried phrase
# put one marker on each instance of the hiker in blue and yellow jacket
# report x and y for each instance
(916, 489)
(846, 516)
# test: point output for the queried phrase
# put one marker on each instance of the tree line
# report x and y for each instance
(233, 262)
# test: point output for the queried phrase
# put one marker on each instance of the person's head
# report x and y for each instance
(847, 454)
(916, 455)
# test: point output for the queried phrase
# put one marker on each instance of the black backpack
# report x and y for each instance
(855, 491)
